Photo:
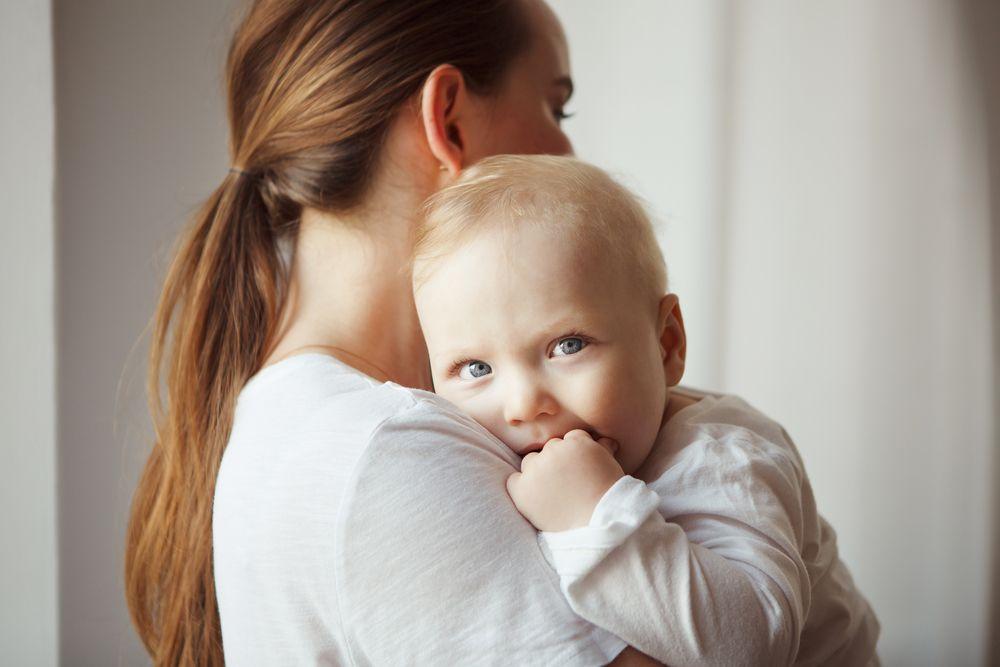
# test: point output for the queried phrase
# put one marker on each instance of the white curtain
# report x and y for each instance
(822, 173)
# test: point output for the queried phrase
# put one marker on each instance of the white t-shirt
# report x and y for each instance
(360, 523)
(714, 553)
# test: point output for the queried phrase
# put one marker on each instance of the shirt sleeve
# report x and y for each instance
(708, 570)
(436, 566)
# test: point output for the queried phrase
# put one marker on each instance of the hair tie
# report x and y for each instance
(237, 170)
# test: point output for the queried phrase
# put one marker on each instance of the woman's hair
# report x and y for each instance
(582, 202)
(313, 86)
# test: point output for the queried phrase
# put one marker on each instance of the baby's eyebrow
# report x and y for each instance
(452, 355)
(564, 324)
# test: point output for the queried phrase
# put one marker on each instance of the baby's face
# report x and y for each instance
(533, 337)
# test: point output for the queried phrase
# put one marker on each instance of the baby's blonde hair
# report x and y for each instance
(503, 191)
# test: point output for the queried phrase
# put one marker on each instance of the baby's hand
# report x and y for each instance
(558, 487)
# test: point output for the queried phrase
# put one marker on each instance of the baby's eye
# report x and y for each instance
(568, 346)
(472, 370)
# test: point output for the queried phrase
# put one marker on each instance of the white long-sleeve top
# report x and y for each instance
(714, 553)
(362, 523)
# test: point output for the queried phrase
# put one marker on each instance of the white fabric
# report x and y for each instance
(361, 523)
(719, 556)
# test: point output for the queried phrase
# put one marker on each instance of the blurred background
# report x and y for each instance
(826, 175)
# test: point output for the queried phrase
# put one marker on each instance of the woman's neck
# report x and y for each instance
(350, 289)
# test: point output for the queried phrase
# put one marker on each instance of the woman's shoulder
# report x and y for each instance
(426, 429)
(312, 384)
(317, 395)
(315, 386)
(314, 437)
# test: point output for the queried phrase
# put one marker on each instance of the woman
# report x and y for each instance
(355, 521)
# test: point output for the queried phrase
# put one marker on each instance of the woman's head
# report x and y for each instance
(315, 87)
(524, 114)
(322, 95)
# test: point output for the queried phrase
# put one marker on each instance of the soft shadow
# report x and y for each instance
(982, 23)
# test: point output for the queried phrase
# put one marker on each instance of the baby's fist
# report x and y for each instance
(558, 487)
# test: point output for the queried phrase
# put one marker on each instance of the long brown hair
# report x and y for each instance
(312, 88)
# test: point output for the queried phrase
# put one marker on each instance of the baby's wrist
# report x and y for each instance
(586, 511)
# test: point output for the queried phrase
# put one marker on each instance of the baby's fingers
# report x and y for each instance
(512, 480)
(514, 486)
(520, 494)
(608, 444)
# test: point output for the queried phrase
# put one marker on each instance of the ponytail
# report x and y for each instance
(221, 301)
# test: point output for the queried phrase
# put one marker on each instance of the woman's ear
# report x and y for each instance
(444, 103)
(673, 339)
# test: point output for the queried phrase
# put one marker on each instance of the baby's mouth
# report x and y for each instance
(538, 446)
(533, 447)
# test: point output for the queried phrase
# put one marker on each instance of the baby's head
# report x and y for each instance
(541, 291)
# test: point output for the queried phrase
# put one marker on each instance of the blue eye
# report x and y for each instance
(474, 369)
(568, 346)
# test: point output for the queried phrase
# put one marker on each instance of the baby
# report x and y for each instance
(683, 523)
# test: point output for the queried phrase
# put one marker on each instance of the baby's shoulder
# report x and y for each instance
(731, 418)
(722, 436)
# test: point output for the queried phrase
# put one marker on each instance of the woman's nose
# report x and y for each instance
(528, 400)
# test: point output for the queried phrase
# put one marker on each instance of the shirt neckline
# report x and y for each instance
(288, 364)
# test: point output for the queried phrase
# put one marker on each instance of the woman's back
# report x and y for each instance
(291, 452)
(344, 116)
(358, 522)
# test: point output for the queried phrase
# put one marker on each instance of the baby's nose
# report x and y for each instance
(528, 401)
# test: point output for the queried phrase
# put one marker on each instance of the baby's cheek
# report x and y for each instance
(476, 406)
(597, 397)
(608, 403)
(639, 407)
(487, 412)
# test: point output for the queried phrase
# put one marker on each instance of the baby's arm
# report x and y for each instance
(722, 583)
(558, 487)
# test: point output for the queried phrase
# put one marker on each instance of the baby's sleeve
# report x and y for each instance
(436, 566)
(708, 571)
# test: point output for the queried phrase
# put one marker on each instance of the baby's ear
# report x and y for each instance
(673, 340)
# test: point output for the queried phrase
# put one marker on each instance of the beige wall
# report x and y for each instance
(860, 209)
(141, 140)
(28, 595)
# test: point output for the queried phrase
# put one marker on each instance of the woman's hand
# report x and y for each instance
(558, 487)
